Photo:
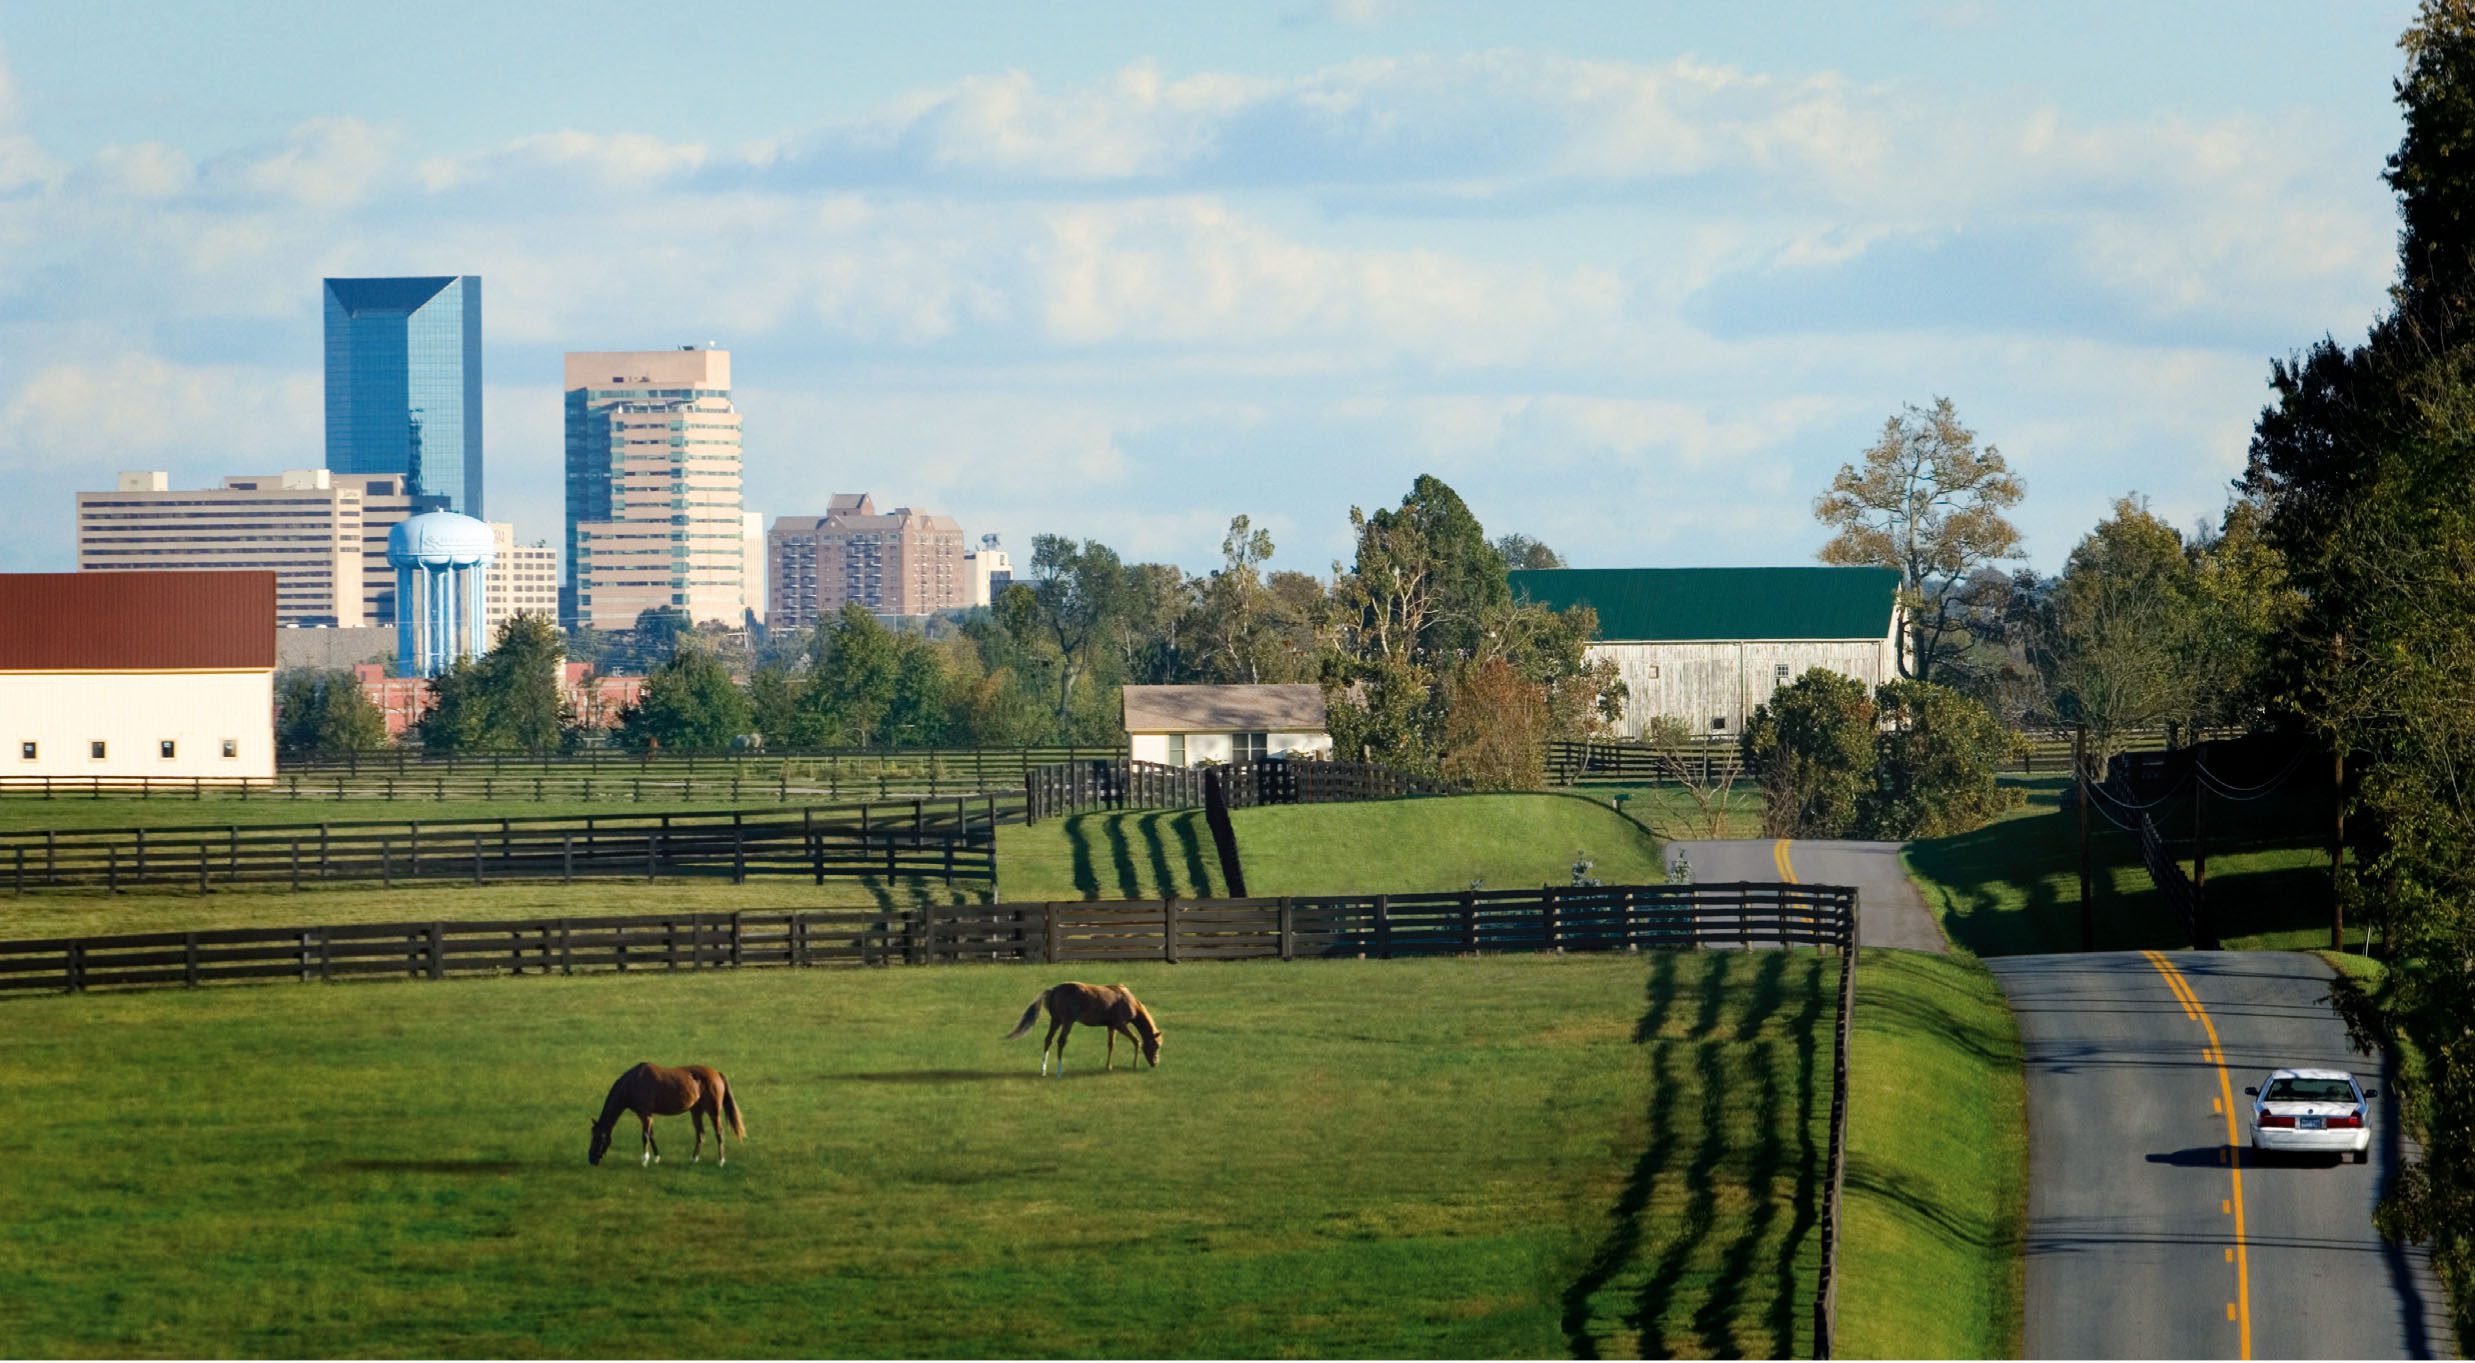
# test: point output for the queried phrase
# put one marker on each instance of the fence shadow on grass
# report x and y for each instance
(1150, 855)
(1704, 1247)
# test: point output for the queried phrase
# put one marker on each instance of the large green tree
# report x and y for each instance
(2126, 623)
(689, 702)
(509, 699)
(324, 714)
(1935, 758)
(1811, 747)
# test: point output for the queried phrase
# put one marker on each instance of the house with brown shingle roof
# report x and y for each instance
(1185, 726)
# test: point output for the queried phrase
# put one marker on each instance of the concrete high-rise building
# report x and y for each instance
(989, 570)
(654, 514)
(752, 566)
(301, 525)
(904, 563)
(522, 580)
(386, 502)
(403, 360)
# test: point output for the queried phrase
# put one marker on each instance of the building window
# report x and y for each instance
(1718, 721)
(1248, 747)
(231, 747)
(1177, 750)
(1780, 672)
(95, 750)
(26, 751)
(1654, 672)
(167, 747)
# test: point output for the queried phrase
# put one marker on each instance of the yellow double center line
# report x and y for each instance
(1779, 854)
(2240, 1309)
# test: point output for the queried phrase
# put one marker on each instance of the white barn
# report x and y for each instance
(1707, 646)
(159, 675)
(1185, 726)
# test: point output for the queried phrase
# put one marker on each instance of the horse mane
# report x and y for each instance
(1142, 1017)
(616, 1103)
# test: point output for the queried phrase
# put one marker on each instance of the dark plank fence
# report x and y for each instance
(1117, 783)
(952, 838)
(1607, 918)
(1843, 1024)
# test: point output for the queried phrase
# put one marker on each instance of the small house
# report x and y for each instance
(1707, 646)
(1185, 726)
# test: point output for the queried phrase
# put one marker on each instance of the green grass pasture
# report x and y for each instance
(1514, 1156)
(1936, 1195)
(25, 812)
(2013, 885)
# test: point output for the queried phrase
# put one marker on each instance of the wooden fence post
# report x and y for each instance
(1469, 921)
(438, 955)
(1288, 930)
(1168, 928)
(1383, 927)
(567, 859)
(1551, 920)
(189, 961)
(202, 866)
(1048, 934)
(738, 850)
(111, 868)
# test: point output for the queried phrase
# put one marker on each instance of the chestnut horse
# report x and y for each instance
(652, 1091)
(1101, 1005)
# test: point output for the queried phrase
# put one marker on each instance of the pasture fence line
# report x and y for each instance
(1706, 761)
(1595, 918)
(1120, 783)
(951, 838)
(1826, 1282)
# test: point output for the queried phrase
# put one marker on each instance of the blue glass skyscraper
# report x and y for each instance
(404, 382)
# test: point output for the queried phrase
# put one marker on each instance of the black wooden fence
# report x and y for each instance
(1608, 918)
(1117, 783)
(1826, 1288)
(951, 838)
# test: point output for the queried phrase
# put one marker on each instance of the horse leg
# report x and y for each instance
(653, 1152)
(1111, 1066)
(1064, 1031)
(1045, 1043)
(697, 1116)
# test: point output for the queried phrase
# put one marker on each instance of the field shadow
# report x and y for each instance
(470, 1168)
(931, 1077)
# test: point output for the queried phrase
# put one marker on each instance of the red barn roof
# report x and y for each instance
(136, 621)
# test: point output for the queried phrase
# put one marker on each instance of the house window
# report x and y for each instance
(1718, 721)
(26, 751)
(95, 750)
(231, 747)
(167, 747)
(1177, 750)
(1249, 747)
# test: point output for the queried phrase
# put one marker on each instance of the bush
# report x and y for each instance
(1936, 756)
(1812, 748)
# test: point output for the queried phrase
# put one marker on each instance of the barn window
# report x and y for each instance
(1718, 721)
(95, 750)
(26, 751)
(167, 747)
(231, 747)
(1654, 672)
(1177, 750)
(1780, 672)
(1248, 747)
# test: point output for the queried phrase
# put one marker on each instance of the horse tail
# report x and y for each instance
(730, 1109)
(1030, 1016)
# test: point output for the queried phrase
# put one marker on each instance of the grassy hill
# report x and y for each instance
(1427, 844)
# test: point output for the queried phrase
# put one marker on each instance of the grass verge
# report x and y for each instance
(1936, 1197)
(1335, 1159)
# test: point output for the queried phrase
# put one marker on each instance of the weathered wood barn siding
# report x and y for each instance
(1708, 646)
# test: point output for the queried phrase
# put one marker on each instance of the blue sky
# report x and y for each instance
(1636, 278)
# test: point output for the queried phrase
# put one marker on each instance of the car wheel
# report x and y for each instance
(2363, 1157)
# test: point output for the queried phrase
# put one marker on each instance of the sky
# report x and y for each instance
(1635, 278)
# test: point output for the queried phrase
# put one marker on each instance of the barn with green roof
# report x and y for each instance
(1707, 646)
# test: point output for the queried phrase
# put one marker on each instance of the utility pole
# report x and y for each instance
(2079, 775)
(2203, 932)
(2337, 848)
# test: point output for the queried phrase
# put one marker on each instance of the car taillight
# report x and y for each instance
(2351, 1119)
(2272, 1119)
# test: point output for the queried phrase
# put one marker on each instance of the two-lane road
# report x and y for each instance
(2153, 1229)
(1889, 912)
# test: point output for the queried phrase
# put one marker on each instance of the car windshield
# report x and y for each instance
(2308, 1091)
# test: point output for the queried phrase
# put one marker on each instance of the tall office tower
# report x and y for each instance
(989, 570)
(905, 563)
(386, 501)
(404, 383)
(654, 517)
(752, 566)
(522, 580)
(301, 525)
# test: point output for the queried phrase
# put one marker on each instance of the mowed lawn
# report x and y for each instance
(1509, 1156)
(1440, 843)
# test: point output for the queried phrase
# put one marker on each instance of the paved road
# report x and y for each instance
(2145, 1239)
(1889, 912)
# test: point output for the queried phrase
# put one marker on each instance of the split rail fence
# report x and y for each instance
(1068, 788)
(952, 838)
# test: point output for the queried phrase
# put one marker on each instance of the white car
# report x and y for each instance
(2321, 1112)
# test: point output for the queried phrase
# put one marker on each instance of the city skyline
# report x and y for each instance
(1118, 276)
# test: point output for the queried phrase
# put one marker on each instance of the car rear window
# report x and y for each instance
(2308, 1091)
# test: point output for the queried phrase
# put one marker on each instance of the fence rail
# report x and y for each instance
(1609, 918)
(1826, 1283)
(1121, 784)
(952, 838)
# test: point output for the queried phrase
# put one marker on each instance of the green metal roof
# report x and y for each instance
(1648, 604)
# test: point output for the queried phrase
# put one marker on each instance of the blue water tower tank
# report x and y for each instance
(442, 562)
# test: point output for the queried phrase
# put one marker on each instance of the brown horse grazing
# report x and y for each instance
(1101, 1005)
(652, 1091)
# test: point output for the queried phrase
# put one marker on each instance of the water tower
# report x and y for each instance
(440, 561)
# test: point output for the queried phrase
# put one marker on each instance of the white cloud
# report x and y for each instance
(326, 163)
(146, 170)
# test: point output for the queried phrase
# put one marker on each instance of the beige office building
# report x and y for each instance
(323, 535)
(654, 513)
(903, 563)
(522, 580)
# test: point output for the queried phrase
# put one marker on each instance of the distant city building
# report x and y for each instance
(595, 699)
(403, 362)
(387, 500)
(904, 563)
(441, 564)
(990, 572)
(654, 514)
(522, 580)
(752, 566)
(159, 675)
